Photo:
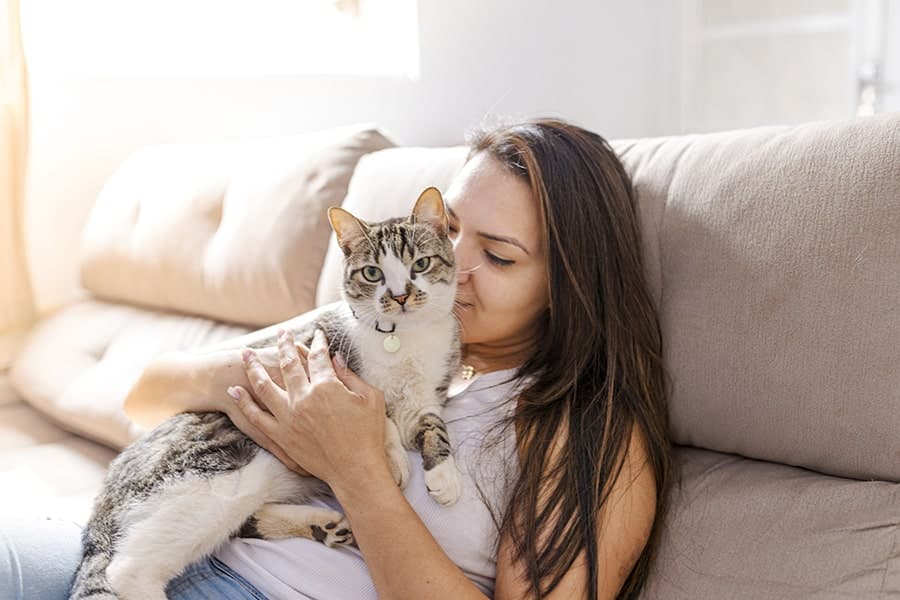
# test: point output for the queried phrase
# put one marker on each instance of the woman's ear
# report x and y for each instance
(348, 229)
(429, 208)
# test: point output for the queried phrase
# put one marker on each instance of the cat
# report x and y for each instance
(195, 481)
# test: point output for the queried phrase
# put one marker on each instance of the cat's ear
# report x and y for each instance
(348, 229)
(429, 208)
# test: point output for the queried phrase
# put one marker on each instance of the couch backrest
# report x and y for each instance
(233, 231)
(773, 255)
(778, 279)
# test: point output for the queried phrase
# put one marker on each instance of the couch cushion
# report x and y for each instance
(386, 184)
(45, 470)
(79, 364)
(48, 471)
(235, 231)
(778, 254)
(744, 529)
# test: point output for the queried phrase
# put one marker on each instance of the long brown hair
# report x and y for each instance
(597, 370)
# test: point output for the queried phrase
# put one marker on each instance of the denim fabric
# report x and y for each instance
(211, 578)
(39, 557)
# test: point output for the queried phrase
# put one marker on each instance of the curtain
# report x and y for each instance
(17, 309)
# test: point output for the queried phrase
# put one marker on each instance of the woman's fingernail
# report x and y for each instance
(234, 393)
(339, 360)
(245, 354)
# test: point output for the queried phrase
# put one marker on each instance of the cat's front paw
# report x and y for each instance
(333, 533)
(443, 482)
(398, 460)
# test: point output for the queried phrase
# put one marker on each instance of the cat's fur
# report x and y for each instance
(196, 480)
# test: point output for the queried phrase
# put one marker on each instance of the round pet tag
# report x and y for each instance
(391, 343)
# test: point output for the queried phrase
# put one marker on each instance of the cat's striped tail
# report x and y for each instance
(91, 582)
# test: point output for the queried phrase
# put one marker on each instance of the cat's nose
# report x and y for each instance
(401, 300)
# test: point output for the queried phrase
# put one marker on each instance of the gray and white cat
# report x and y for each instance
(194, 481)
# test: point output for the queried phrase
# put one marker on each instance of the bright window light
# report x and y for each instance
(221, 38)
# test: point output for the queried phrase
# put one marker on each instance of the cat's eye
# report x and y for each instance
(421, 264)
(372, 274)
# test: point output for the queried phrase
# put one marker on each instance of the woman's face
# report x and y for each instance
(496, 232)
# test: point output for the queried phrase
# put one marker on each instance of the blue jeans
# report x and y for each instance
(39, 557)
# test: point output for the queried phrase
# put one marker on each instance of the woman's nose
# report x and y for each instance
(465, 262)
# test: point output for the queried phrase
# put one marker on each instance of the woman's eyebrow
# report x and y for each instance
(507, 240)
(494, 237)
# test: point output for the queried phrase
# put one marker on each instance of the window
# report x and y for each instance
(757, 62)
(221, 38)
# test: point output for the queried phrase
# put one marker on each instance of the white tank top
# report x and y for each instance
(301, 569)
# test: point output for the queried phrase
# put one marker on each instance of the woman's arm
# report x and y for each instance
(402, 556)
(181, 381)
(198, 380)
(624, 525)
(395, 541)
(187, 382)
(333, 424)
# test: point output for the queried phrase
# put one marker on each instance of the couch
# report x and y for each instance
(773, 255)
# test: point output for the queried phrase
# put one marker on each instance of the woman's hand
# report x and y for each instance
(326, 419)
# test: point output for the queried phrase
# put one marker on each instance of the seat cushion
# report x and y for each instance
(744, 529)
(44, 470)
(78, 365)
(235, 231)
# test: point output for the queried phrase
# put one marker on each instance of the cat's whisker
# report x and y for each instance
(459, 322)
(366, 312)
(430, 235)
(343, 345)
(472, 270)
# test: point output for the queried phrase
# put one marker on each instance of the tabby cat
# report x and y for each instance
(196, 480)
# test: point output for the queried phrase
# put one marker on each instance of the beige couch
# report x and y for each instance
(774, 257)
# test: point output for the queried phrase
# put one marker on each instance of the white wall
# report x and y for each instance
(891, 90)
(607, 65)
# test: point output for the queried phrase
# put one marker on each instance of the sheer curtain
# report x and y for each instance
(16, 301)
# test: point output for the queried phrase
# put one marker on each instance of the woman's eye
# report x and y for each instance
(421, 264)
(502, 262)
(372, 274)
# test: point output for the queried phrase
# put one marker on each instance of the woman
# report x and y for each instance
(559, 329)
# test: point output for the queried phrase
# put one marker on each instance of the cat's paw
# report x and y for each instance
(443, 482)
(130, 582)
(398, 460)
(333, 532)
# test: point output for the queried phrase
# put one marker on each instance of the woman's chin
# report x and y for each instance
(465, 320)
